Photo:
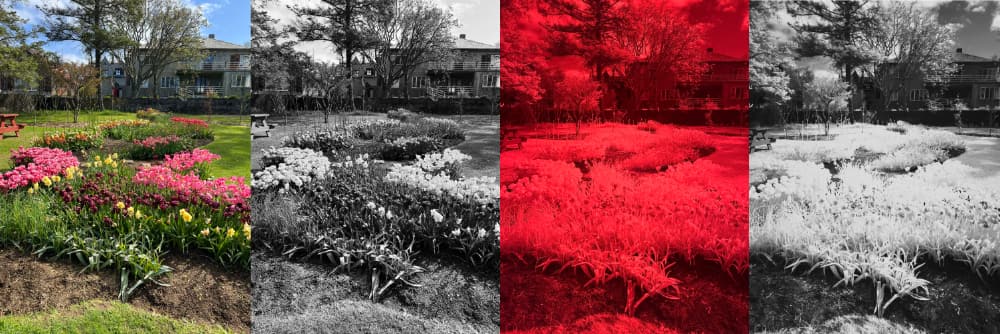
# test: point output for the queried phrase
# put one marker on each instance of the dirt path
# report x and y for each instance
(482, 143)
(732, 154)
(200, 290)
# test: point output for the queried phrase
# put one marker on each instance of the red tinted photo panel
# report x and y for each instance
(623, 166)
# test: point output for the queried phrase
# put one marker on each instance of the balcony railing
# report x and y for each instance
(964, 78)
(466, 66)
(218, 66)
(726, 77)
(202, 90)
(450, 91)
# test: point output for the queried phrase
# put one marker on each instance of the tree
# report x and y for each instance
(406, 34)
(87, 22)
(337, 22)
(523, 59)
(908, 44)
(769, 61)
(577, 96)
(76, 80)
(159, 33)
(828, 96)
(328, 83)
(660, 48)
(16, 58)
(834, 31)
(592, 24)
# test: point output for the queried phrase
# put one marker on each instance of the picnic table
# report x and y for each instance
(259, 121)
(758, 137)
(8, 123)
(509, 140)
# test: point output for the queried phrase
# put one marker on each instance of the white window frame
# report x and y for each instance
(984, 93)
(418, 82)
(240, 80)
(491, 80)
(168, 82)
(918, 94)
(894, 97)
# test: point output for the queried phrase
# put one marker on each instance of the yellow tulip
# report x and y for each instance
(230, 232)
(120, 205)
(31, 191)
(131, 211)
(204, 232)
(35, 186)
(47, 181)
(185, 216)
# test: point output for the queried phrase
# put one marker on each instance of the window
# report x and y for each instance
(240, 80)
(737, 92)
(996, 93)
(119, 73)
(395, 83)
(168, 82)
(145, 84)
(418, 82)
(369, 72)
(491, 80)
(918, 94)
(894, 96)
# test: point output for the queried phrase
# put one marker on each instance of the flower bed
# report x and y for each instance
(287, 167)
(408, 148)
(125, 129)
(190, 121)
(107, 215)
(76, 141)
(327, 141)
(157, 147)
(36, 164)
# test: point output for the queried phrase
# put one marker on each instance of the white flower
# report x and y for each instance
(371, 205)
(482, 233)
(438, 217)
(456, 232)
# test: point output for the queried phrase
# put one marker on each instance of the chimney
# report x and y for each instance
(710, 50)
(212, 36)
(959, 50)
(461, 36)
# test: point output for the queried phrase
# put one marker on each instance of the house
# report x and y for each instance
(724, 86)
(225, 71)
(473, 73)
(976, 84)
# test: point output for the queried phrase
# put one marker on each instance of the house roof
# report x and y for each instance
(213, 44)
(711, 56)
(961, 57)
(468, 44)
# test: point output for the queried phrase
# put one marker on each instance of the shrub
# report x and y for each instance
(157, 147)
(402, 115)
(323, 140)
(76, 141)
(408, 148)
(150, 114)
(440, 128)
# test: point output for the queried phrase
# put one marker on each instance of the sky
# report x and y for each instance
(978, 33)
(229, 20)
(479, 20)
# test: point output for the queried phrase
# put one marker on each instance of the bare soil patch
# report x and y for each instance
(199, 290)
(294, 297)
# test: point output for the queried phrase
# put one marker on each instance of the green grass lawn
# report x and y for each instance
(98, 317)
(232, 141)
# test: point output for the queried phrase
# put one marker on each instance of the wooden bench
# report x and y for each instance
(259, 121)
(8, 123)
(759, 138)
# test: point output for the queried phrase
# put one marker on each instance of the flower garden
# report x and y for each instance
(380, 198)
(117, 195)
(886, 214)
(623, 227)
